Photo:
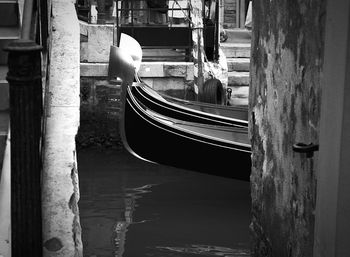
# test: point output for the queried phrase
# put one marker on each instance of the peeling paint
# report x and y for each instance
(284, 95)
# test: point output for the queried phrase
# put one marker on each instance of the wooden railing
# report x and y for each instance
(162, 25)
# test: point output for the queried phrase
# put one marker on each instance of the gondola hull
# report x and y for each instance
(175, 137)
(166, 143)
(190, 110)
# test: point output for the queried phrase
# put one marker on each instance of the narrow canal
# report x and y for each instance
(131, 208)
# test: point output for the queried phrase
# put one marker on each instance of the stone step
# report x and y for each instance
(147, 69)
(236, 50)
(239, 95)
(238, 35)
(238, 64)
(238, 78)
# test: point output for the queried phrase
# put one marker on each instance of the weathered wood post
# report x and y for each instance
(24, 77)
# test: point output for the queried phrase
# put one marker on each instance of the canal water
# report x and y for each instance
(132, 208)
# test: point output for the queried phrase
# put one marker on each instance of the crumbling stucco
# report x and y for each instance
(284, 101)
(61, 226)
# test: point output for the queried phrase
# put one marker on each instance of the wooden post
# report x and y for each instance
(24, 77)
(240, 12)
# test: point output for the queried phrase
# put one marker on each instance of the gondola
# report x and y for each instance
(231, 112)
(180, 136)
(190, 110)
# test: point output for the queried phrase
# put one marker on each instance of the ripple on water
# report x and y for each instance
(201, 250)
(129, 208)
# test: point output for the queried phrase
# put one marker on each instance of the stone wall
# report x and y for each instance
(174, 77)
(99, 113)
(95, 42)
(284, 106)
(100, 100)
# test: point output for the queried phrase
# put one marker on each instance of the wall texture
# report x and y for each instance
(100, 99)
(60, 186)
(284, 106)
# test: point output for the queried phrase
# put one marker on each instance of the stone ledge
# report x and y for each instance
(238, 64)
(238, 102)
(239, 96)
(236, 49)
(93, 69)
(241, 92)
(238, 36)
(238, 78)
(167, 69)
(83, 28)
(147, 70)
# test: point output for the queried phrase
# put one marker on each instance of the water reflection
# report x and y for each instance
(130, 196)
(204, 250)
(131, 208)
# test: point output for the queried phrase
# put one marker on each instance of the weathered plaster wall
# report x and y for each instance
(60, 187)
(96, 40)
(284, 106)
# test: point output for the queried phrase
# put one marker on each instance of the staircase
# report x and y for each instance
(237, 52)
(9, 30)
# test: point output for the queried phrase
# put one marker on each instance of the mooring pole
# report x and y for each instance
(24, 77)
(200, 76)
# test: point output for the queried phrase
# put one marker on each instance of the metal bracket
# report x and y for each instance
(309, 149)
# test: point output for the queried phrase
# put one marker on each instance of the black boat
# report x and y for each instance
(190, 110)
(162, 131)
